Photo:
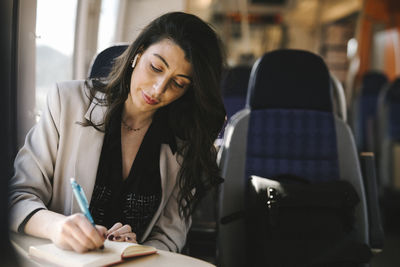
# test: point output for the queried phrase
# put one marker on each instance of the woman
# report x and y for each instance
(141, 144)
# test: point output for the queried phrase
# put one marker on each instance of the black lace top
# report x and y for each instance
(134, 200)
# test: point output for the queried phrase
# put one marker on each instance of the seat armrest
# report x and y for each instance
(376, 233)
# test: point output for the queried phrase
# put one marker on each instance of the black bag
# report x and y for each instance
(297, 223)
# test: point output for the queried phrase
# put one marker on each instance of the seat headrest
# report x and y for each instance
(372, 82)
(290, 79)
(235, 81)
(104, 61)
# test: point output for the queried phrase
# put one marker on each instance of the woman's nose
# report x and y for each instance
(160, 86)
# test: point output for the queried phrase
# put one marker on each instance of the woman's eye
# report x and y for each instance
(178, 84)
(154, 68)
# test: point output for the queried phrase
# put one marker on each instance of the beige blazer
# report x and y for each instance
(58, 148)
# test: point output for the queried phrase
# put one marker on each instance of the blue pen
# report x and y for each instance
(82, 201)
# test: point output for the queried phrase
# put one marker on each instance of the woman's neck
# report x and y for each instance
(135, 118)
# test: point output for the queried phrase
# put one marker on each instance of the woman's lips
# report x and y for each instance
(149, 100)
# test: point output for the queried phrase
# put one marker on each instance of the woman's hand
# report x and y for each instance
(72, 232)
(76, 233)
(121, 233)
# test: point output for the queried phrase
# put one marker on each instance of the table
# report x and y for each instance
(21, 244)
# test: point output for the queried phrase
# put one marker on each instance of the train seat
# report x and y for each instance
(234, 85)
(103, 62)
(389, 134)
(365, 110)
(287, 127)
(234, 88)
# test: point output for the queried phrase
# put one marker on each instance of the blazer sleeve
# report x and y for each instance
(169, 232)
(30, 188)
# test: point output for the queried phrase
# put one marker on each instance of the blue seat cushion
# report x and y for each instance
(297, 142)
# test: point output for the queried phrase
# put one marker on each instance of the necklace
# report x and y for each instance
(130, 128)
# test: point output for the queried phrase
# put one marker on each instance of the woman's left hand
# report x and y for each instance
(121, 233)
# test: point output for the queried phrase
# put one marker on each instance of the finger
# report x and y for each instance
(83, 231)
(114, 227)
(129, 237)
(102, 231)
(62, 241)
(122, 230)
(75, 245)
(90, 232)
(79, 234)
(68, 241)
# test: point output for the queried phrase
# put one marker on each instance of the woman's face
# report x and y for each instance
(161, 75)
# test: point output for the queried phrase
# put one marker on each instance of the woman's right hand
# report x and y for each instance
(73, 232)
(76, 233)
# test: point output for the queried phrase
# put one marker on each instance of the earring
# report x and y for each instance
(134, 61)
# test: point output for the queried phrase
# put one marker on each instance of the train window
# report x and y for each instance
(55, 31)
(107, 25)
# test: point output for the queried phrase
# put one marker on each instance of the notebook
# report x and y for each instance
(112, 253)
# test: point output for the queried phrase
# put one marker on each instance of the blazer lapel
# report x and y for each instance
(90, 145)
(169, 169)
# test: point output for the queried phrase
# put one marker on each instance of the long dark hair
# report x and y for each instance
(197, 117)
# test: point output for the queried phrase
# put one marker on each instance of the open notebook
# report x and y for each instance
(112, 253)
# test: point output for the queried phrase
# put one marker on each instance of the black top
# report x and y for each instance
(134, 200)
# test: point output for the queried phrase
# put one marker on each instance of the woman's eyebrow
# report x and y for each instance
(166, 64)
(185, 76)
(162, 59)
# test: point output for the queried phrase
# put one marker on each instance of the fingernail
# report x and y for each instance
(117, 238)
(110, 237)
(102, 247)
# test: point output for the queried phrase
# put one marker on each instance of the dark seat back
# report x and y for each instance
(389, 132)
(103, 62)
(234, 88)
(366, 110)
